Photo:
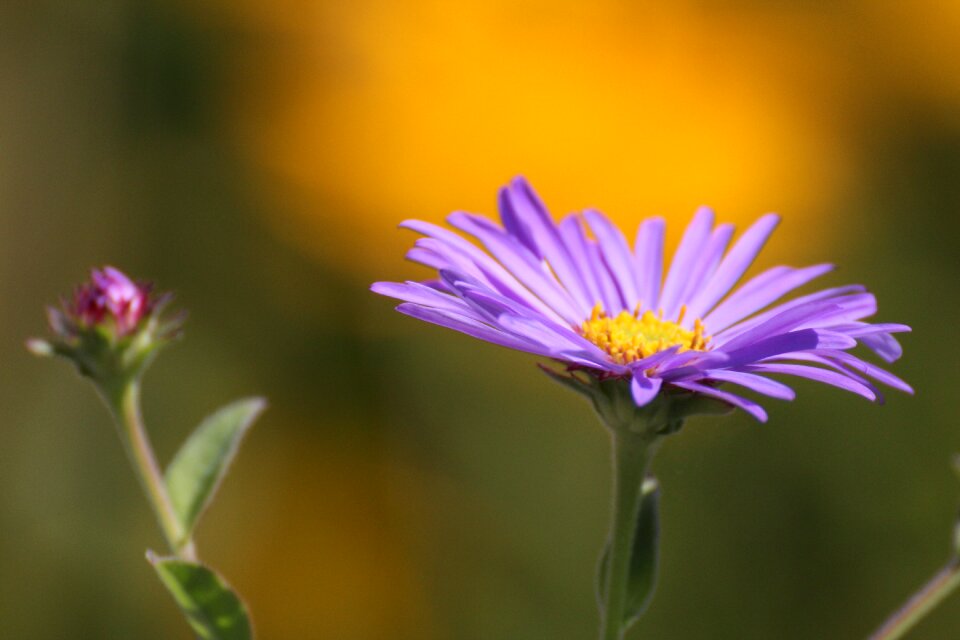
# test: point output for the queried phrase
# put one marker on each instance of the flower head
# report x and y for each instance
(578, 293)
(111, 327)
(110, 296)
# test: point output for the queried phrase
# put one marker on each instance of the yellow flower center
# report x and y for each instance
(629, 337)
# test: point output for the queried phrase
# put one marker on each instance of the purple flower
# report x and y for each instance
(110, 296)
(576, 292)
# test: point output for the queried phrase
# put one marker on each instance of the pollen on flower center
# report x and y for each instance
(629, 337)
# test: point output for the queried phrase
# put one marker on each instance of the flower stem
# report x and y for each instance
(631, 455)
(929, 596)
(125, 403)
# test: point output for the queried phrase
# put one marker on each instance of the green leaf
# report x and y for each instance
(197, 469)
(210, 605)
(643, 558)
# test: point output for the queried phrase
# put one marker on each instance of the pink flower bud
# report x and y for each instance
(111, 328)
(110, 296)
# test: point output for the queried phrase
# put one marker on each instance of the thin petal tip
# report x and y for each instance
(519, 184)
(381, 287)
(703, 211)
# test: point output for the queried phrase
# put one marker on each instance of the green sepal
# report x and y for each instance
(644, 557)
(613, 401)
(196, 471)
(212, 608)
(571, 381)
(111, 360)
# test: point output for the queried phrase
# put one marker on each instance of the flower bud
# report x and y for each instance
(110, 328)
(112, 297)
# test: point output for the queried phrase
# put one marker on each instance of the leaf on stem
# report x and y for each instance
(197, 469)
(644, 556)
(211, 607)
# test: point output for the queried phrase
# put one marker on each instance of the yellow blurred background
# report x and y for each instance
(409, 483)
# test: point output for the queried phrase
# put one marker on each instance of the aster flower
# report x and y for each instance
(648, 346)
(576, 292)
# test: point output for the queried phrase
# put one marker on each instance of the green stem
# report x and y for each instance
(631, 455)
(125, 403)
(929, 596)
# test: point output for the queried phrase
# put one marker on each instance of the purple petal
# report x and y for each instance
(611, 292)
(775, 345)
(420, 294)
(749, 324)
(518, 217)
(426, 258)
(691, 364)
(504, 314)
(488, 305)
(453, 259)
(574, 238)
(557, 341)
(445, 235)
(541, 332)
(766, 386)
(525, 216)
(499, 277)
(884, 345)
(765, 289)
(644, 389)
(691, 247)
(833, 378)
(815, 314)
(860, 329)
(781, 323)
(522, 264)
(652, 361)
(734, 265)
(471, 327)
(649, 259)
(794, 341)
(705, 266)
(840, 360)
(834, 340)
(749, 406)
(850, 308)
(616, 254)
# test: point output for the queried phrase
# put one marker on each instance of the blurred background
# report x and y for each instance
(412, 483)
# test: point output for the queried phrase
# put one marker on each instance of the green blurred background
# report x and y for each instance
(409, 482)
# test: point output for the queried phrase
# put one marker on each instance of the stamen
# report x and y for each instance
(629, 337)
